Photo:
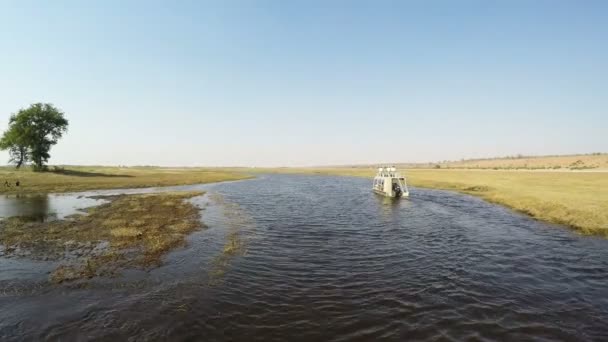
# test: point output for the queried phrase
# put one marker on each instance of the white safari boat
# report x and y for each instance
(388, 182)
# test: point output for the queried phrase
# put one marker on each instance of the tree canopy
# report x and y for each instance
(31, 134)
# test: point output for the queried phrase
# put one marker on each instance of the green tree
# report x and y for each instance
(31, 134)
(17, 148)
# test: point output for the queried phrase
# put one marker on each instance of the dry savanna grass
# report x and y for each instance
(572, 162)
(126, 232)
(137, 231)
(577, 199)
(78, 178)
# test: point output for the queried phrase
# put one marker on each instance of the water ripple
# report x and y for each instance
(328, 260)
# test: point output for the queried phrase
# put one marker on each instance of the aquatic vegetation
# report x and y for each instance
(126, 232)
(109, 238)
(234, 243)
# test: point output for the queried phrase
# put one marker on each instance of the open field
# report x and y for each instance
(596, 161)
(80, 178)
(572, 162)
(129, 231)
(591, 161)
(575, 199)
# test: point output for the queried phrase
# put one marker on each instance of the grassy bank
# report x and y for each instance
(92, 178)
(575, 199)
(129, 231)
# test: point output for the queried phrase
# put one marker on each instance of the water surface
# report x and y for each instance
(327, 259)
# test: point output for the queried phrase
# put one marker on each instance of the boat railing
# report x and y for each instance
(388, 172)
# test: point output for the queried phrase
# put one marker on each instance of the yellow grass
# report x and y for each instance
(581, 161)
(577, 199)
(125, 232)
(76, 178)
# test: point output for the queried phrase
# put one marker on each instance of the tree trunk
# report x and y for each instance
(22, 151)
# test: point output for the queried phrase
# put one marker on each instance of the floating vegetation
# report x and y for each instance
(182, 308)
(129, 231)
(234, 242)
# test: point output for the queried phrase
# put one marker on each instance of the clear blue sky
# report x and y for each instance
(309, 82)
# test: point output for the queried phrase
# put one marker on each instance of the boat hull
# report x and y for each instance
(382, 193)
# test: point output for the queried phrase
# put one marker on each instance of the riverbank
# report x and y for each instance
(128, 231)
(80, 178)
(577, 199)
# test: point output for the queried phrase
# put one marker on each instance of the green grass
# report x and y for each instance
(77, 178)
(576, 199)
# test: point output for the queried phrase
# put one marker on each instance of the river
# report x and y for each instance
(327, 260)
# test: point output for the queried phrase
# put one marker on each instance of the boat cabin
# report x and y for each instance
(390, 183)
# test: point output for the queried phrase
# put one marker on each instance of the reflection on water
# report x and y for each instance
(389, 207)
(45, 206)
(329, 260)
(35, 206)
